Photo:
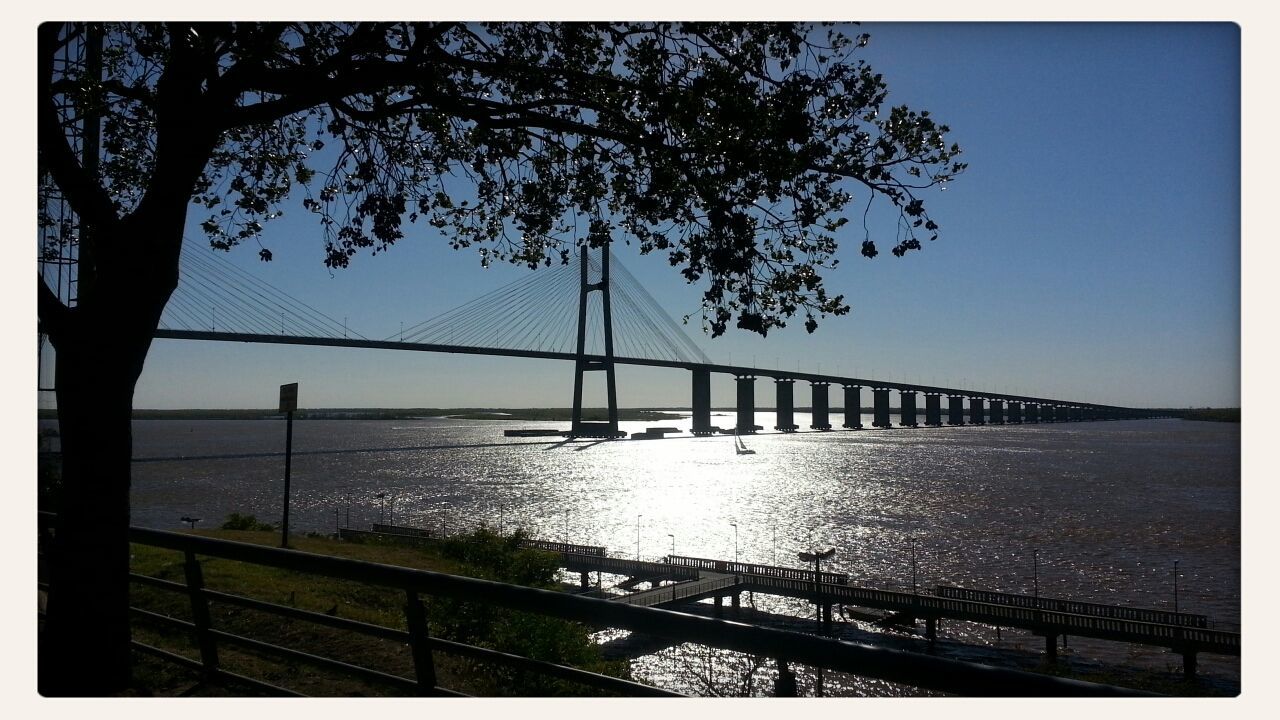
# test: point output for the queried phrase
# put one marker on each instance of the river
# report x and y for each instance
(1088, 511)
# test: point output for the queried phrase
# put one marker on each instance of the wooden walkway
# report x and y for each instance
(709, 585)
(700, 578)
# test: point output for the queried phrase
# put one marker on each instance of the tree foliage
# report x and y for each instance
(735, 148)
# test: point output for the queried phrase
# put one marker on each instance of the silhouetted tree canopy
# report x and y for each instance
(735, 148)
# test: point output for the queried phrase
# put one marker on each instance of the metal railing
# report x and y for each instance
(931, 673)
(739, 568)
(1121, 612)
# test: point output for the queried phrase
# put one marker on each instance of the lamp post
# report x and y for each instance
(735, 541)
(638, 537)
(566, 527)
(1035, 574)
(775, 544)
(673, 544)
(1175, 586)
(382, 504)
(913, 566)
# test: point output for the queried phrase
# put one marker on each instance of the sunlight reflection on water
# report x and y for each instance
(1108, 505)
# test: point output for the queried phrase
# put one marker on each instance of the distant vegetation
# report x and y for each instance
(1211, 414)
(545, 414)
(482, 554)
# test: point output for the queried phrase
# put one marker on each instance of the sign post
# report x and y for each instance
(288, 403)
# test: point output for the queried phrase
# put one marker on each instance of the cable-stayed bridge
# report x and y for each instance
(597, 315)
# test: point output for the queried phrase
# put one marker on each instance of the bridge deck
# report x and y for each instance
(708, 585)
(1074, 607)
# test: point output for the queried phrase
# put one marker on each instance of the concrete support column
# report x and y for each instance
(931, 628)
(1033, 413)
(853, 407)
(1051, 646)
(932, 409)
(1061, 413)
(997, 412)
(702, 402)
(746, 404)
(1047, 413)
(826, 617)
(907, 402)
(785, 407)
(977, 411)
(1015, 412)
(819, 406)
(585, 577)
(785, 684)
(1189, 665)
(735, 601)
(955, 410)
(719, 606)
(881, 411)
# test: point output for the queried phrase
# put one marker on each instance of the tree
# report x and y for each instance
(733, 148)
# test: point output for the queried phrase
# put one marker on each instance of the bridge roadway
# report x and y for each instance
(699, 578)
(737, 370)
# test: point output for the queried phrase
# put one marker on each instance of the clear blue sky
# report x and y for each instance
(1090, 252)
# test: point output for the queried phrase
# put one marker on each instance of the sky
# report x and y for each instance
(1090, 252)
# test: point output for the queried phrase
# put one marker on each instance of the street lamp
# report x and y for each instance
(1035, 574)
(638, 537)
(1175, 586)
(913, 566)
(775, 544)
(735, 541)
(381, 496)
(673, 544)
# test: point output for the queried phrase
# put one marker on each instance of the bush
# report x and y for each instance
(236, 521)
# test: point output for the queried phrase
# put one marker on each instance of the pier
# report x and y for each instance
(695, 579)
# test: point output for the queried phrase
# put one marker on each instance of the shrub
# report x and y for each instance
(236, 521)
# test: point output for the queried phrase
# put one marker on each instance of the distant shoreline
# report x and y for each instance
(1230, 415)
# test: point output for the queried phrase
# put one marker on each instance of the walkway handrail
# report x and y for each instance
(932, 673)
(1162, 617)
(1035, 619)
(740, 568)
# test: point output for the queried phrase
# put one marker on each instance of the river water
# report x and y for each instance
(1088, 511)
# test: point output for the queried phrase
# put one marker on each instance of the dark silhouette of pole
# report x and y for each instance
(913, 566)
(1175, 586)
(288, 463)
(735, 541)
(1035, 574)
(638, 537)
(673, 544)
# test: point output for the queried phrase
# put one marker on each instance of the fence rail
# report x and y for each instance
(932, 673)
(1121, 612)
(1176, 637)
(740, 568)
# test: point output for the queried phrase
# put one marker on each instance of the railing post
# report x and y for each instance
(785, 685)
(200, 615)
(424, 666)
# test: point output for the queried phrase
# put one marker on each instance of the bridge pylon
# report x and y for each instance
(582, 364)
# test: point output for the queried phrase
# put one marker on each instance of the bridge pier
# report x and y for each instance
(1189, 665)
(1061, 413)
(819, 406)
(881, 414)
(931, 628)
(785, 684)
(785, 407)
(824, 612)
(907, 404)
(997, 412)
(1077, 414)
(1047, 413)
(1015, 412)
(735, 602)
(932, 409)
(853, 407)
(585, 577)
(702, 402)
(955, 410)
(719, 612)
(1051, 646)
(977, 413)
(746, 404)
(1033, 413)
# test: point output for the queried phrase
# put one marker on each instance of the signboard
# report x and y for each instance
(289, 397)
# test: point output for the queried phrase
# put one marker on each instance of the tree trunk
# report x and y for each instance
(101, 345)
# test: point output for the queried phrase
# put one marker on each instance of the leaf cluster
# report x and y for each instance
(737, 149)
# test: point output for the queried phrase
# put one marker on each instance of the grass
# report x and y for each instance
(519, 633)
